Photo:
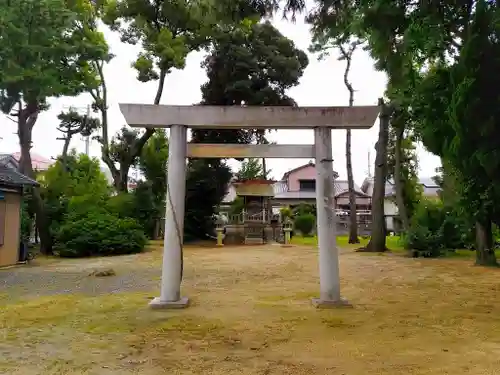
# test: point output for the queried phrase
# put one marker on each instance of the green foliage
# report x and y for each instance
(250, 62)
(99, 233)
(26, 221)
(236, 206)
(121, 146)
(286, 213)
(206, 185)
(76, 184)
(455, 110)
(139, 204)
(153, 162)
(44, 52)
(146, 210)
(122, 205)
(304, 223)
(166, 29)
(81, 175)
(425, 236)
(304, 209)
(251, 169)
(412, 190)
(436, 228)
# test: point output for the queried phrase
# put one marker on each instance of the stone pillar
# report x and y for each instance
(327, 241)
(174, 222)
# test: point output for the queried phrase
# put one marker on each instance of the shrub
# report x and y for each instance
(139, 204)
(121, 205)
(435, 228)
(425, 236)
(285, 213)
(303, 209)
(99, 233)
(26, 222)
(305, 224)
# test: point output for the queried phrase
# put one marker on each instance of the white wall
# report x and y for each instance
(390, 210)
(390, 207)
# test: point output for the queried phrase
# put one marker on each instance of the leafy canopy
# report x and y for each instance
(251, 169)
(44, 50)
(167, 31)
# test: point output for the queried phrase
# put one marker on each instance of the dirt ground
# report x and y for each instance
(251, 314)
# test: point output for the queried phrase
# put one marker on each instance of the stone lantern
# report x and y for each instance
(219, 228)
(287, 228)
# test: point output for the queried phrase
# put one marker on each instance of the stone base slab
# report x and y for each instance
(158, 304)
(330, 304)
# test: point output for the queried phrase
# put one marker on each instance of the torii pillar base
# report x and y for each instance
(158, 304)
(330, 304)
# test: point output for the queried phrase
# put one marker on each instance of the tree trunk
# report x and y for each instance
(399, 180)
(378, 227)
(64, 155)
(346, 54)
(156, 230)
(485, 252)
(353, 222)
(26, 120)
(123, 178)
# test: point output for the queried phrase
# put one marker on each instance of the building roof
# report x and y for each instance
(430, 188)
(341, 186)
(11, 177)
(37, 161)
(286, 174)
(310, 164)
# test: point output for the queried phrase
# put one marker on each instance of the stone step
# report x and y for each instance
(254, 241)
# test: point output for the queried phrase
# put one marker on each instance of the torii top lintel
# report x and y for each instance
(251, 117)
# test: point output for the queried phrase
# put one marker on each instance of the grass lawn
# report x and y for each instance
(251, 315)
(393, 244)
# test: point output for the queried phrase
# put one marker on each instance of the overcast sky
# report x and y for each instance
(321, 85)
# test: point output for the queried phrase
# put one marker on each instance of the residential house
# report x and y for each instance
(299, 186)
(430, 189)
(38, 162)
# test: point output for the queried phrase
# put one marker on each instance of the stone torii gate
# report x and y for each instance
(179, 118)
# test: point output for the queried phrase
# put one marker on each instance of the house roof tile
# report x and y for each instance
(11, 177)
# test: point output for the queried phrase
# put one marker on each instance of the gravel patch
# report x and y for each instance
(73, 278)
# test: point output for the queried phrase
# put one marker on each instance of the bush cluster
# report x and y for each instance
(99, 233)
(436, 228)
(305, 224)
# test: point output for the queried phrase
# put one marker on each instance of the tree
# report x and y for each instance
(78, 177)
(403, 150)
(251, 169)
(71, 124)
(249, 62)
(153, 165)
(378, 226)
(457, 122)
(167, 30)
(344, 39)
(44, 55)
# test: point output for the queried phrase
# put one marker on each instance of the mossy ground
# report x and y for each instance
(251, 314)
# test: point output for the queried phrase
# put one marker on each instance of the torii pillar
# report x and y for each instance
(179, 118)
